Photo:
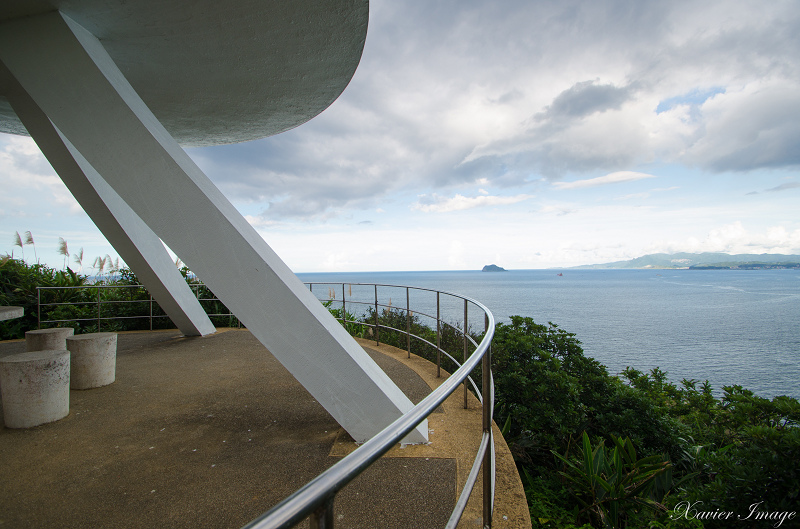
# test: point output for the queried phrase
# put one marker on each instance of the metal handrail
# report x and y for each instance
(315, 499)
(99, 302)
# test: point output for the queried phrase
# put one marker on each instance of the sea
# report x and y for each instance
(725, 326)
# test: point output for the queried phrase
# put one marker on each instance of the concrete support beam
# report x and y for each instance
(70, 77)
(135, 242)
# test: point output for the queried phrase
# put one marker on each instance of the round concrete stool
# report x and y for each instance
(48, 339)
(94, 359)
(35, 387)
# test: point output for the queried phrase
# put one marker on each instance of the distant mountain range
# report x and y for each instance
(705, 261)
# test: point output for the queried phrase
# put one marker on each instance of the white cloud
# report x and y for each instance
(29, 182)
(735, 238)
(438, 204)
(612, 178)
(479, 105)
(757, 126)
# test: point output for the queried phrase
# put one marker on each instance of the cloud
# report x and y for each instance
(559, 211)
(612, 178)
(755, 127)
(777, 189)
(467, 104)
(783, 187)
(735, 238)
(439, 204)
(569, 134)
(584, 99)
(28, 180)
(510, 92)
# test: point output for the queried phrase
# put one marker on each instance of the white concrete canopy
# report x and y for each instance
(217, 72)
(68, 69)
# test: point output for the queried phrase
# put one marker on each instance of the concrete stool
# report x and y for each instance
(94, 359)
(35, 387)
(48, 339)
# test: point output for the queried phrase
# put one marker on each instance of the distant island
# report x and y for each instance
(705, 261)
(493, 268)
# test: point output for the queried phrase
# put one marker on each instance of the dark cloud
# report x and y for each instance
(583, 99)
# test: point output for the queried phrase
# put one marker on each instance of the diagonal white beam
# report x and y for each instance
(73, 80)
(136, 243)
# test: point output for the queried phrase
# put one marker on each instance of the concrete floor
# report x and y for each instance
(213, 431)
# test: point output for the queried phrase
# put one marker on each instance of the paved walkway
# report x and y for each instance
(211, 432)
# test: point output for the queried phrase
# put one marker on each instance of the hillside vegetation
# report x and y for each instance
(704, 260)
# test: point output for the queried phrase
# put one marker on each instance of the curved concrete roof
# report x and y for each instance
(216, 72)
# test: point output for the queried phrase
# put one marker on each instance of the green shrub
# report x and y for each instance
(551, 393)
(18, 282)
(614, 486)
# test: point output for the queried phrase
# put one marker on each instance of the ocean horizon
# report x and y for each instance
(730, 327)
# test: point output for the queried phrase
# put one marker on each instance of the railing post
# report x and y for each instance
(98, 308)
(488, 490)
(344, 310)
(38, 307)
(377, 330)
(322, 518)
(466, 389)
(438, 338)
(151, 312)
(408, 322)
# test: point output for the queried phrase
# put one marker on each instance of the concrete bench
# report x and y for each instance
(35, 387)
(94, 359)
(48, 339)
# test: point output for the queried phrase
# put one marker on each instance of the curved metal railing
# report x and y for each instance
(315, 499)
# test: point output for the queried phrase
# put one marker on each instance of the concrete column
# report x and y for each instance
(48, 339)
(93, 360)
(68, 74)
(35, 388)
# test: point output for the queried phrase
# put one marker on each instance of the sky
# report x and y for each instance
(528, 134)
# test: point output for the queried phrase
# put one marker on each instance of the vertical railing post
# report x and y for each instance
(38, 307)
(322, 518)
(344, 309)
(488, 490)
(98, 309)
(377, 329)
(408, 322)
(466, 390)
(438, 338)
(151, 312)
